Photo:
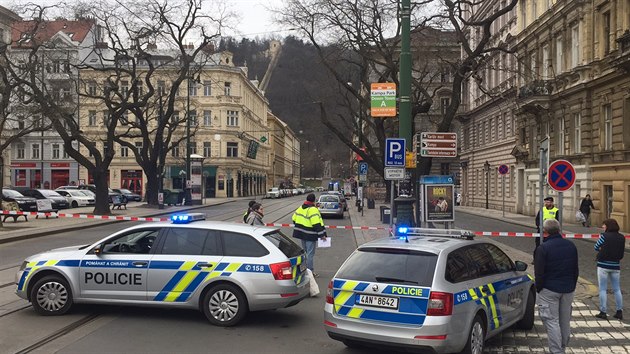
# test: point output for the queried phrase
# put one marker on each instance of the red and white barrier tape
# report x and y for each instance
(135, 218)
(82, 216)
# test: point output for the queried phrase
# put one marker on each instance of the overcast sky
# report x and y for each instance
(255, 19)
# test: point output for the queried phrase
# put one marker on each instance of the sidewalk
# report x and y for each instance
(20, 230)
(590, 335)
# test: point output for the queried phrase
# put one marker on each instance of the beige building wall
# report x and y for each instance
(573, 86)
(230, 112)
(6, 19)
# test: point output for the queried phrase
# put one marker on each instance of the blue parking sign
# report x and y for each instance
(395, 152)
(363, 168)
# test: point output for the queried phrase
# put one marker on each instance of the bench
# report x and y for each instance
(12, 206)
(119, 202)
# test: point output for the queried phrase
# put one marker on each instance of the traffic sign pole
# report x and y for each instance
(544, 149)
(503, 194)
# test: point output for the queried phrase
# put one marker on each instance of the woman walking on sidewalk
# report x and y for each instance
(255, 216)
(585, 208)
(610, 248)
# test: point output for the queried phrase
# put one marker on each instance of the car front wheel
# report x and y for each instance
(51, 296)
(225, 305)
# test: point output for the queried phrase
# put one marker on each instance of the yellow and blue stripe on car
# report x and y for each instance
(412, 303)
(486, 295)
(32, 267)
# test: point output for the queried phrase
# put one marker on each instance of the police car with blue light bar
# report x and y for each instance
(223, 269)
(428, 289)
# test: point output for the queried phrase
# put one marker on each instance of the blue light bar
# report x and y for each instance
(187, 218)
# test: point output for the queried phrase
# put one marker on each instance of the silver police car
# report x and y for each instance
(428, 290)
(223, 269)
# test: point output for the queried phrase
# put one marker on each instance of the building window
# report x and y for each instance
(227, 89)
(207, 118)
(193, 118)
(161, 88)
(56, 153)
(192, 88)
(559, 55)
(545, 62)
(561, 150)
(124, 88)
(92, 88)
(577, 133)
(105, 118)
(65, 154)
(445, 169)
(20, 123)
(232, 149)
(175, 151)
(207, 148)
(35, 151)
(124, 151)
(444, 103)
(175, 117)
(606, 31)
(207, 88)
(193, 148)
(608, 134)
(92, 118)
(575, 46)
(138, 145)
(232, 118)
(20, 151)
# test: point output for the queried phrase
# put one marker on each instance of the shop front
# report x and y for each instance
(132, 180)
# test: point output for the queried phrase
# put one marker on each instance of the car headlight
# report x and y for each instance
(21, 201)
(23, 266)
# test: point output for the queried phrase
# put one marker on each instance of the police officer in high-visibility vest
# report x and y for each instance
(309, 227)
(549, 212)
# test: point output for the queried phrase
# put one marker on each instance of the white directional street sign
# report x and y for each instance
(437, 145)
(394, 173)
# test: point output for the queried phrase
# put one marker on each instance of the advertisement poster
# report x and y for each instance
(439, 202)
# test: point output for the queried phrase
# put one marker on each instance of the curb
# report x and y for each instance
(87, 225)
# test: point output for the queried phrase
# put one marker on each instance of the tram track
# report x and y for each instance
(91, 317)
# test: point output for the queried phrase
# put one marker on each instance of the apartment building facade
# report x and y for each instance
(571, 84)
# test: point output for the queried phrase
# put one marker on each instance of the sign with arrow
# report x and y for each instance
(437, 145)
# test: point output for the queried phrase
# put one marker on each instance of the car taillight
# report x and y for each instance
(329, 293)
(281, 271)
(440, 304)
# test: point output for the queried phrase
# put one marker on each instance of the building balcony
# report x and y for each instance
(536, 88)
(623, 59)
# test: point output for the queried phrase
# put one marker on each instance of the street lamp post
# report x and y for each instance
(486, 167)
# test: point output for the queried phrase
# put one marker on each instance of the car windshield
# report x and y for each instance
(284, 244)
(76, 193)
(272, 190)
(87, 193)
(390, 266)
(328, 199)
(11, 193)
(49, 193)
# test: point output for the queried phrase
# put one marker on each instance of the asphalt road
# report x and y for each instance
(115, 329)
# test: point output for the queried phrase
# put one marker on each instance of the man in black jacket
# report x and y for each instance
(556, 271)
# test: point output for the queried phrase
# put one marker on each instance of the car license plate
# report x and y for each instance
(302, 267)
(378, 301)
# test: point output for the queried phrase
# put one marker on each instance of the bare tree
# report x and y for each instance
(360, 41)
(149, 49)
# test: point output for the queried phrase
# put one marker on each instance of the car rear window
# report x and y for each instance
(390, 266)
(284, 243)
(328, 198)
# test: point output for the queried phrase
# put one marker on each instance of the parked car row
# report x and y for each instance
(276, 192)
(63, 197)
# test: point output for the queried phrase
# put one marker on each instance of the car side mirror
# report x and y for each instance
(98, 250)
(521, 266)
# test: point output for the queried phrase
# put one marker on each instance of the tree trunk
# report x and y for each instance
(102, 194)
(152, 185)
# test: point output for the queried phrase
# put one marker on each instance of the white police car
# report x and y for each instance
(223, 269)
(429, 290)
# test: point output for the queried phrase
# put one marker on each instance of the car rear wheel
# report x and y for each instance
(75, 204)
(224, 305)
(474, 345)
(527, 322)
(51, 296)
